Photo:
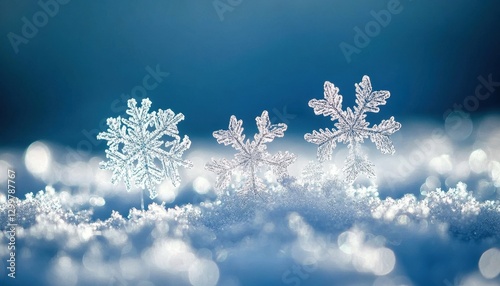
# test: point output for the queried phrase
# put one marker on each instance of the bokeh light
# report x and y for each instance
(489, 263)
(38, 158)
(478, 161)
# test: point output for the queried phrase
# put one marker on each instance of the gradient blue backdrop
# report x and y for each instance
(261, 55)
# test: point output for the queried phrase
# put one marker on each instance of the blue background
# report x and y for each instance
(62, 84)
(260, 55)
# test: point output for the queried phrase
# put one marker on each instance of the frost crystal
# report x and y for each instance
(312, 176)
(135, 153)
(352, 128)
(252, 155)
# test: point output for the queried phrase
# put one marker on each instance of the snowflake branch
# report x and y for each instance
(326, 141)
(367, 100)
(332, 106)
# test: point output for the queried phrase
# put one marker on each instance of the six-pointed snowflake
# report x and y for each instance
(135, 153)
(252, 154)
(352, 128)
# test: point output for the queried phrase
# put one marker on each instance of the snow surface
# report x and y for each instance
(433, 220)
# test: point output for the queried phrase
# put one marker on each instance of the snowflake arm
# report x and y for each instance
(368, 100)
(233, 136)
(223, 169)
(166, 123)
(268, 131)
(252, 155)
(379, 134)
(173, 159)
(279, 163)
(147, 174)
(116, 133)
(331, 105)
(356, 164)
(120, 166)
(253, 182)
(326, 141)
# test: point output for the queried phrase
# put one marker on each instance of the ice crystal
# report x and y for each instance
(348, 223)
(135, 153)
(252, 154)
(312, 176)
(47, 202)
(352, 127)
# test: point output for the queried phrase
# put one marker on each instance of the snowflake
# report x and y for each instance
(135, 147)
(352, 128)
(252, 154)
